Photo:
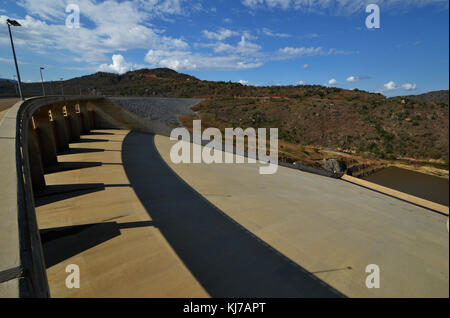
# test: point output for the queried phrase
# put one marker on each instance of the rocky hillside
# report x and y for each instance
(353, 122)
(347, 121)
(432, 97)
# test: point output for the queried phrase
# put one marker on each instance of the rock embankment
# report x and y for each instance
(163, 110)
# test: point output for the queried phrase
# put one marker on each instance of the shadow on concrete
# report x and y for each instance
(348, 268)
(85, 140)
(68, 166)
(98, 133)
(62, 243)
(225, 258)
(54, 193)
(73, 151)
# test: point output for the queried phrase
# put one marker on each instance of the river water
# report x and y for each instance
(421, 185)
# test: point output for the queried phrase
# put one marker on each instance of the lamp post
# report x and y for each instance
(62, 87)
(16, 24)
(42, 81)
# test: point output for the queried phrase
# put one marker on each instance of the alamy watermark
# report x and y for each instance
(373, 19)
(73, 19)
(373, 279)
(212, 151)
(73, 279)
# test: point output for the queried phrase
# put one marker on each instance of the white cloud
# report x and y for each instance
(390, 86)
(332, 81)
(10, 61)
(284, 4)
(186, 60)
(250, 53)
(220, 35)
(243, 47)
(243, 82)
(340, 7)
(409, 87)
(300, 51)
(113, 27)
(116, 26)
(55, 9)
(275, 34)
(311, 35)
(246, 47)
(301, 83)
(294, 52)
(3, 60)
(119, 65)
(249, 36)
(119, 26)
(354, 79)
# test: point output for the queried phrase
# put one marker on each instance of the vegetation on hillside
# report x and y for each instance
(349, 121)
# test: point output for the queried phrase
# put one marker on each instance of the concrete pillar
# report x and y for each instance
(84, 117)
(60, 127)
(92, 119)
(68, 126)
(34, 156)
(46, 137)
(74, 122)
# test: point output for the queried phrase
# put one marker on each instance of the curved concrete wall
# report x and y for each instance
(32, 133)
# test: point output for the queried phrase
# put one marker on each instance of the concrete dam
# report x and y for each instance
(89, 181)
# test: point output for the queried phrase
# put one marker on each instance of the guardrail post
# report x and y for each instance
(46, 137)
(62, 138)
(34, 155)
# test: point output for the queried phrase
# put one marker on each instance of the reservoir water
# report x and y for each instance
(421, 185)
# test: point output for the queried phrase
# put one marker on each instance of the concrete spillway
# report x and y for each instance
(141, 226)
(138, 225)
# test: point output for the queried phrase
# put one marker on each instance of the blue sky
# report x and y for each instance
(259, 42)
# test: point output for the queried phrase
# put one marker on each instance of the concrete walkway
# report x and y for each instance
(91, 217)
(5, 105)
(140, 226)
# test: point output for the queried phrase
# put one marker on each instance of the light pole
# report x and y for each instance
(42, 81)
(16, 24)
(62, 87)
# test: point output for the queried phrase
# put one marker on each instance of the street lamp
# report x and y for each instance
(42, 81)
(62, 87)
(16, 24)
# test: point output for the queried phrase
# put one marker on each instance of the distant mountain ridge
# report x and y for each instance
(164, 82)
(441, 96)
(7, 80)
